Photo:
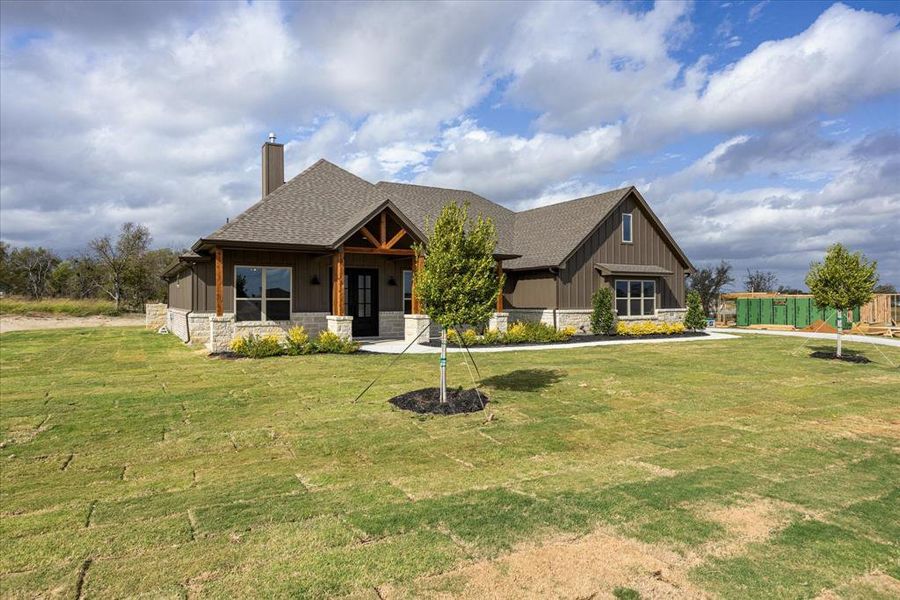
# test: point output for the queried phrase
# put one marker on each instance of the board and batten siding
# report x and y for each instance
(579, 278)
(529, 289)
(181, 290)
(306, 296)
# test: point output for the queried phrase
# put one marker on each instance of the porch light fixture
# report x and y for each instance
(314, 280)
(392, 281)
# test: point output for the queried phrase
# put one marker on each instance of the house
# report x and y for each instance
(328, 249)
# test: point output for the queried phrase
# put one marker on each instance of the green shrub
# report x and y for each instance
(518, 332)
(602, 316)
(694, 319)
(257, 346)
(328, 342)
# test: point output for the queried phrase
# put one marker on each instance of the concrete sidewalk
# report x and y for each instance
(862, 339)
(397, 346)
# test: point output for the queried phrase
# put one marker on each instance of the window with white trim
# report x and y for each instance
(635, 297)
(407, 292)
(262, 293)
(626, 228)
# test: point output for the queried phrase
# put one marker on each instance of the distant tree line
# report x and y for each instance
(124, 270)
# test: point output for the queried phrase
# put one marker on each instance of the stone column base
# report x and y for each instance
(499, 321)
(221, 331)
(341, 325)
(413, 325)
(155, 315)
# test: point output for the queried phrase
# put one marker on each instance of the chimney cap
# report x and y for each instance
(272, 137)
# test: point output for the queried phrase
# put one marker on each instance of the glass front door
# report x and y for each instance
(362, 301)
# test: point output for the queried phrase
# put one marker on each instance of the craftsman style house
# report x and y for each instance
(330, 250)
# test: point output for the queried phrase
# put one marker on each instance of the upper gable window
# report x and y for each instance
(626, 228)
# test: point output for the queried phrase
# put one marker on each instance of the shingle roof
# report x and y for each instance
(613, 268)
(324, 203)
(545, 236)
(422, 204)
(311, 209)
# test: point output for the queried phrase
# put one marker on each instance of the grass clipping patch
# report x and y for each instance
(428, 400)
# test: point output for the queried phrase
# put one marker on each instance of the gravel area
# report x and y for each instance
(30, 323)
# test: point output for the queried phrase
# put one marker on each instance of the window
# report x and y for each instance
(407, 292)
(635, 297)
(262, 293)
(626, 228)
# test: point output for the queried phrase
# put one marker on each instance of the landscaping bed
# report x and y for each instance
(581, 339)
(428, 400)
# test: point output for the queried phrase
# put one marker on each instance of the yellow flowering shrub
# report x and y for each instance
(639, 328)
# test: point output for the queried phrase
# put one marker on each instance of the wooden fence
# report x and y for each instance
(884, 309)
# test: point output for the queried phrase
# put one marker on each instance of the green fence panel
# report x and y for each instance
(802, 312)
(742, 307)
(779, 311)
(766, 310)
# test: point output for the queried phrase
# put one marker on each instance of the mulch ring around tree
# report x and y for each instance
(846, 357)
(428, 400)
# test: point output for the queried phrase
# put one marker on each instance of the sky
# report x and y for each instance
(759, 132)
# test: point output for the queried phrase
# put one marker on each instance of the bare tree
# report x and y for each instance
(760, 281)
(33, 267)
(708, 282)
(120, 258)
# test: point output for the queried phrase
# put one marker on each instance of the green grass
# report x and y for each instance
(139, 466)
(15, 305)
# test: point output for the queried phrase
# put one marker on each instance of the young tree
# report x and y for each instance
(760, 281)
(459, 282)
(602, 318)
(32, 268)
(121, 258)
(708, 282)
(843, 281)
(694, 318)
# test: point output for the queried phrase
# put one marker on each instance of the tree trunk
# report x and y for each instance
(840, 326)
(443, 365)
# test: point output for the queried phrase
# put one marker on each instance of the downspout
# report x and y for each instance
(187, 320)
(556, 293)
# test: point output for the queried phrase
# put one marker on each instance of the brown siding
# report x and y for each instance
(180, 290)
(579, 279)
(530, 289)
(306, 296)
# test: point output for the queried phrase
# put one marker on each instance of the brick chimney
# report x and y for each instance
(272, 166)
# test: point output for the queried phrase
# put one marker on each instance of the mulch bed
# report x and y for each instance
(428, 400)
(850, 358)
(580, 339)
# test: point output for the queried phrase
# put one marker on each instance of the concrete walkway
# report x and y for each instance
(397, 346)
(862, 339)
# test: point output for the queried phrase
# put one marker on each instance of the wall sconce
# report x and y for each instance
(392, 281)
(314, 280)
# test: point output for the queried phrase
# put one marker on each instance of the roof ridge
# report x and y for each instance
(434, 187)
(563, 202)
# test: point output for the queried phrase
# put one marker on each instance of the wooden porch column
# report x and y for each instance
(500, 294)
(337, 286)
(220, 283)
(416, 303)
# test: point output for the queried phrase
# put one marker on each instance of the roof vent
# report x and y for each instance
(272, 137)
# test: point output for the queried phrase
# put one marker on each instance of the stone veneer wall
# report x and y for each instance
(671, 315)
(155, 315)
(580, 319)
(540, 315)
(177, 323)
(198, 326)
(391, 324)
(313, 322)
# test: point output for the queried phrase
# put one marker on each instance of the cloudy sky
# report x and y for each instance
(760, 132)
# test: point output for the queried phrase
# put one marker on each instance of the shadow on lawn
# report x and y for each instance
(828, 353)
(524, 380)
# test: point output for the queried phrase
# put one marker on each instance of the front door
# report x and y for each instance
(362, 301)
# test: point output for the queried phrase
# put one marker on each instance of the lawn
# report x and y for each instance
(133, 465)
